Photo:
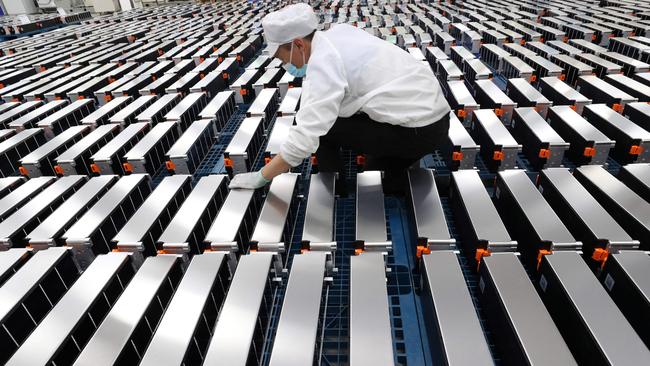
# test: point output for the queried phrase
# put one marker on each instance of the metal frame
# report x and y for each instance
(587, 220)
(124, 333)
(91, 234)
(14, 228)
(237, 339)
(148, 154)
(63, 332)
(140, 233)
(109, 159)
(31, 293)
(41, 161)
(48, 232)
(186, 231)
(587, 144)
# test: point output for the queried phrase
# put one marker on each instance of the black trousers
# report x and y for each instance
(387, 147)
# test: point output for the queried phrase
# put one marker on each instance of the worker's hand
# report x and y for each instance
(249, 181)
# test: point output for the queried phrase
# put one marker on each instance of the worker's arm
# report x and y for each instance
(322, 93)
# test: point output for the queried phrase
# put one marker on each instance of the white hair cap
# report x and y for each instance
(287, 24)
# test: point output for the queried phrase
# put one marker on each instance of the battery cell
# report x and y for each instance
(498, 148)
(542, 146)
(632, 141)
(525, 95)
(637, 177)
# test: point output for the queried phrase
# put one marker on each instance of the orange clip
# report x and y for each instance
(2, 85)
(533, 78)
(57, 98)
(23, 171)
(600, 255)
(219, 59)
(314, 160)
(243, 91)
(565, 39)
(618, 107)
(225, 75)
(589, 151)
(540, 254)
(544, 153)
(107, 98)
(593, 37)
(421, 250)
(361, 160)
(201, 59)
(95, 168)
(480, 253)
(43, 68)
(562, 77)
(522, 42)
(461, 113)
(58, 170)
(239, 58)
(128, 168)
(267, 160)
(573, 107)
(170, 165)
(457, 155)
(498, 112)
(498, 155)
(358, 251)
(15, 100)
(227, 162)
(81, 97)
(636, 150)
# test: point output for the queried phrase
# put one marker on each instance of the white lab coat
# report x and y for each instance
(351, 71)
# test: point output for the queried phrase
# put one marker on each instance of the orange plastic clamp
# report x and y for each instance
(541, 39)
(636, 150)
(544, 153)
(498, 155)
(565, 39)
(111, 80)
(589, 152)
(227, 162)
(81, 97)
(358, 251)
(618, 107)
(243, 91)
(58, 170)
(421, 250)
(540, 254)
(593, 37)
(562, 77)
(43, 68)
(573, 107)
(170, 165)
(2, 85)
(238, 58)
(128, 167)
(457, 155)
(201, 59)
(461, 113)
(361, 160)
(23, 171)
(600, 255)
(522, 42)
(225, 75)
(314, 160)
(480, 253)
(94, 168)
(498, 112)
(107, 98)
(57, 98)
(533, 78)
(219, 59)
(267, 160)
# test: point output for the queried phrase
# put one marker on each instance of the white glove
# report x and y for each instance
(248, 181)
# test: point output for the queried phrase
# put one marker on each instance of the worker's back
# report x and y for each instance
(384, 81)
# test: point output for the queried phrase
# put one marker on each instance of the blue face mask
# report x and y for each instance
(294, 71)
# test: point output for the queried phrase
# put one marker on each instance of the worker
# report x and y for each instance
(359, 92)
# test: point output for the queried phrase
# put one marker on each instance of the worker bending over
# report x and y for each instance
(359, 92)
